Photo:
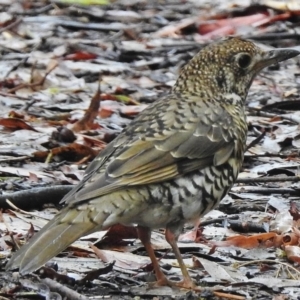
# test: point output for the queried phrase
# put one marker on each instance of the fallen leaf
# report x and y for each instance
(71, 152)
(87, 121)
(293, 253)
(80, 55)
(15, 123)
(246, 242)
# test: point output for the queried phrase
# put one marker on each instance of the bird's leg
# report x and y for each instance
(144, 234)
(187, 281)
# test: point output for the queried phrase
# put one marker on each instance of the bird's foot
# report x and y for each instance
(189, 236)
(184, 284)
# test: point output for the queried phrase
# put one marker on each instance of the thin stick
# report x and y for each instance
(269, 179)
(268, 261)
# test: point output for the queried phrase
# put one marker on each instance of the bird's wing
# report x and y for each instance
(157, 149)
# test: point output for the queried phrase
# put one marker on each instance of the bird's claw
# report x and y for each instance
(183, 284)
(186, 284)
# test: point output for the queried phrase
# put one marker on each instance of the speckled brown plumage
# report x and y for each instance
(171, 165)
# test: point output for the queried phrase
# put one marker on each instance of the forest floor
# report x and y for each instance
(73, 76)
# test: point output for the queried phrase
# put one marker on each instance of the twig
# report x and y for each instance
(36, 11)
(259, 112)
(11, 25)
(27, 85)
(35, 197)
(271, 155)
(228, 296)
(235, 224)
(93, 26)
(269, 179)
(256, 140)
(9, 95)
(267, 191)
(18, 209)
(16, 66)
(20, 158)
(218, 220)
(63, 290)
(29, 104)
(273, 36)
(269, 261)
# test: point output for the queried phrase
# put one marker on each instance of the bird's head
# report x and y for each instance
(227, 67)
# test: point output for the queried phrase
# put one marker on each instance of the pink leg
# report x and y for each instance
(187, 282)
(144, 235)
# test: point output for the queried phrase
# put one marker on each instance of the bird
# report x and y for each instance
(171, 165)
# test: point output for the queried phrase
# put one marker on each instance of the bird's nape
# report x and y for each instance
(171, 165)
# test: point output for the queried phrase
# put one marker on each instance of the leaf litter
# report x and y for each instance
(73, 75)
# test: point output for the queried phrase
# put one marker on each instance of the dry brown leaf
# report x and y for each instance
(123, 260)
(117, 233)
(174, 29)
(87, 121)
(246, 242)
(294, 211)
(293, 253)
(71, 152)
(212, 26)
(14, 123)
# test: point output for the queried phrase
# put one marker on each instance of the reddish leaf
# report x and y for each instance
(290, 239)
(93, 142)
(247, 242)
(210, 26)
(33, 177)
(87, 122)
(9, 83)
(14, 114)
(117, 233)
(293, 253)
(16, 124)
(105, 112)
(80, 55)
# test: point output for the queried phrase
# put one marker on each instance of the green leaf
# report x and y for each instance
(86, 2)
(123, 98)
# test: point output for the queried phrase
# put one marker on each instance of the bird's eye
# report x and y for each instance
(244, 60)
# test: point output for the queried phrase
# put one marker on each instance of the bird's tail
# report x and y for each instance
(58, 234)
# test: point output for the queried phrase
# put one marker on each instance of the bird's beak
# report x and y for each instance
(275, 56)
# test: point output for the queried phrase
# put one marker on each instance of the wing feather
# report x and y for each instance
(143, 156)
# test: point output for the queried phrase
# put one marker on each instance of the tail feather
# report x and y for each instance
(70, 224)
(48, 242)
